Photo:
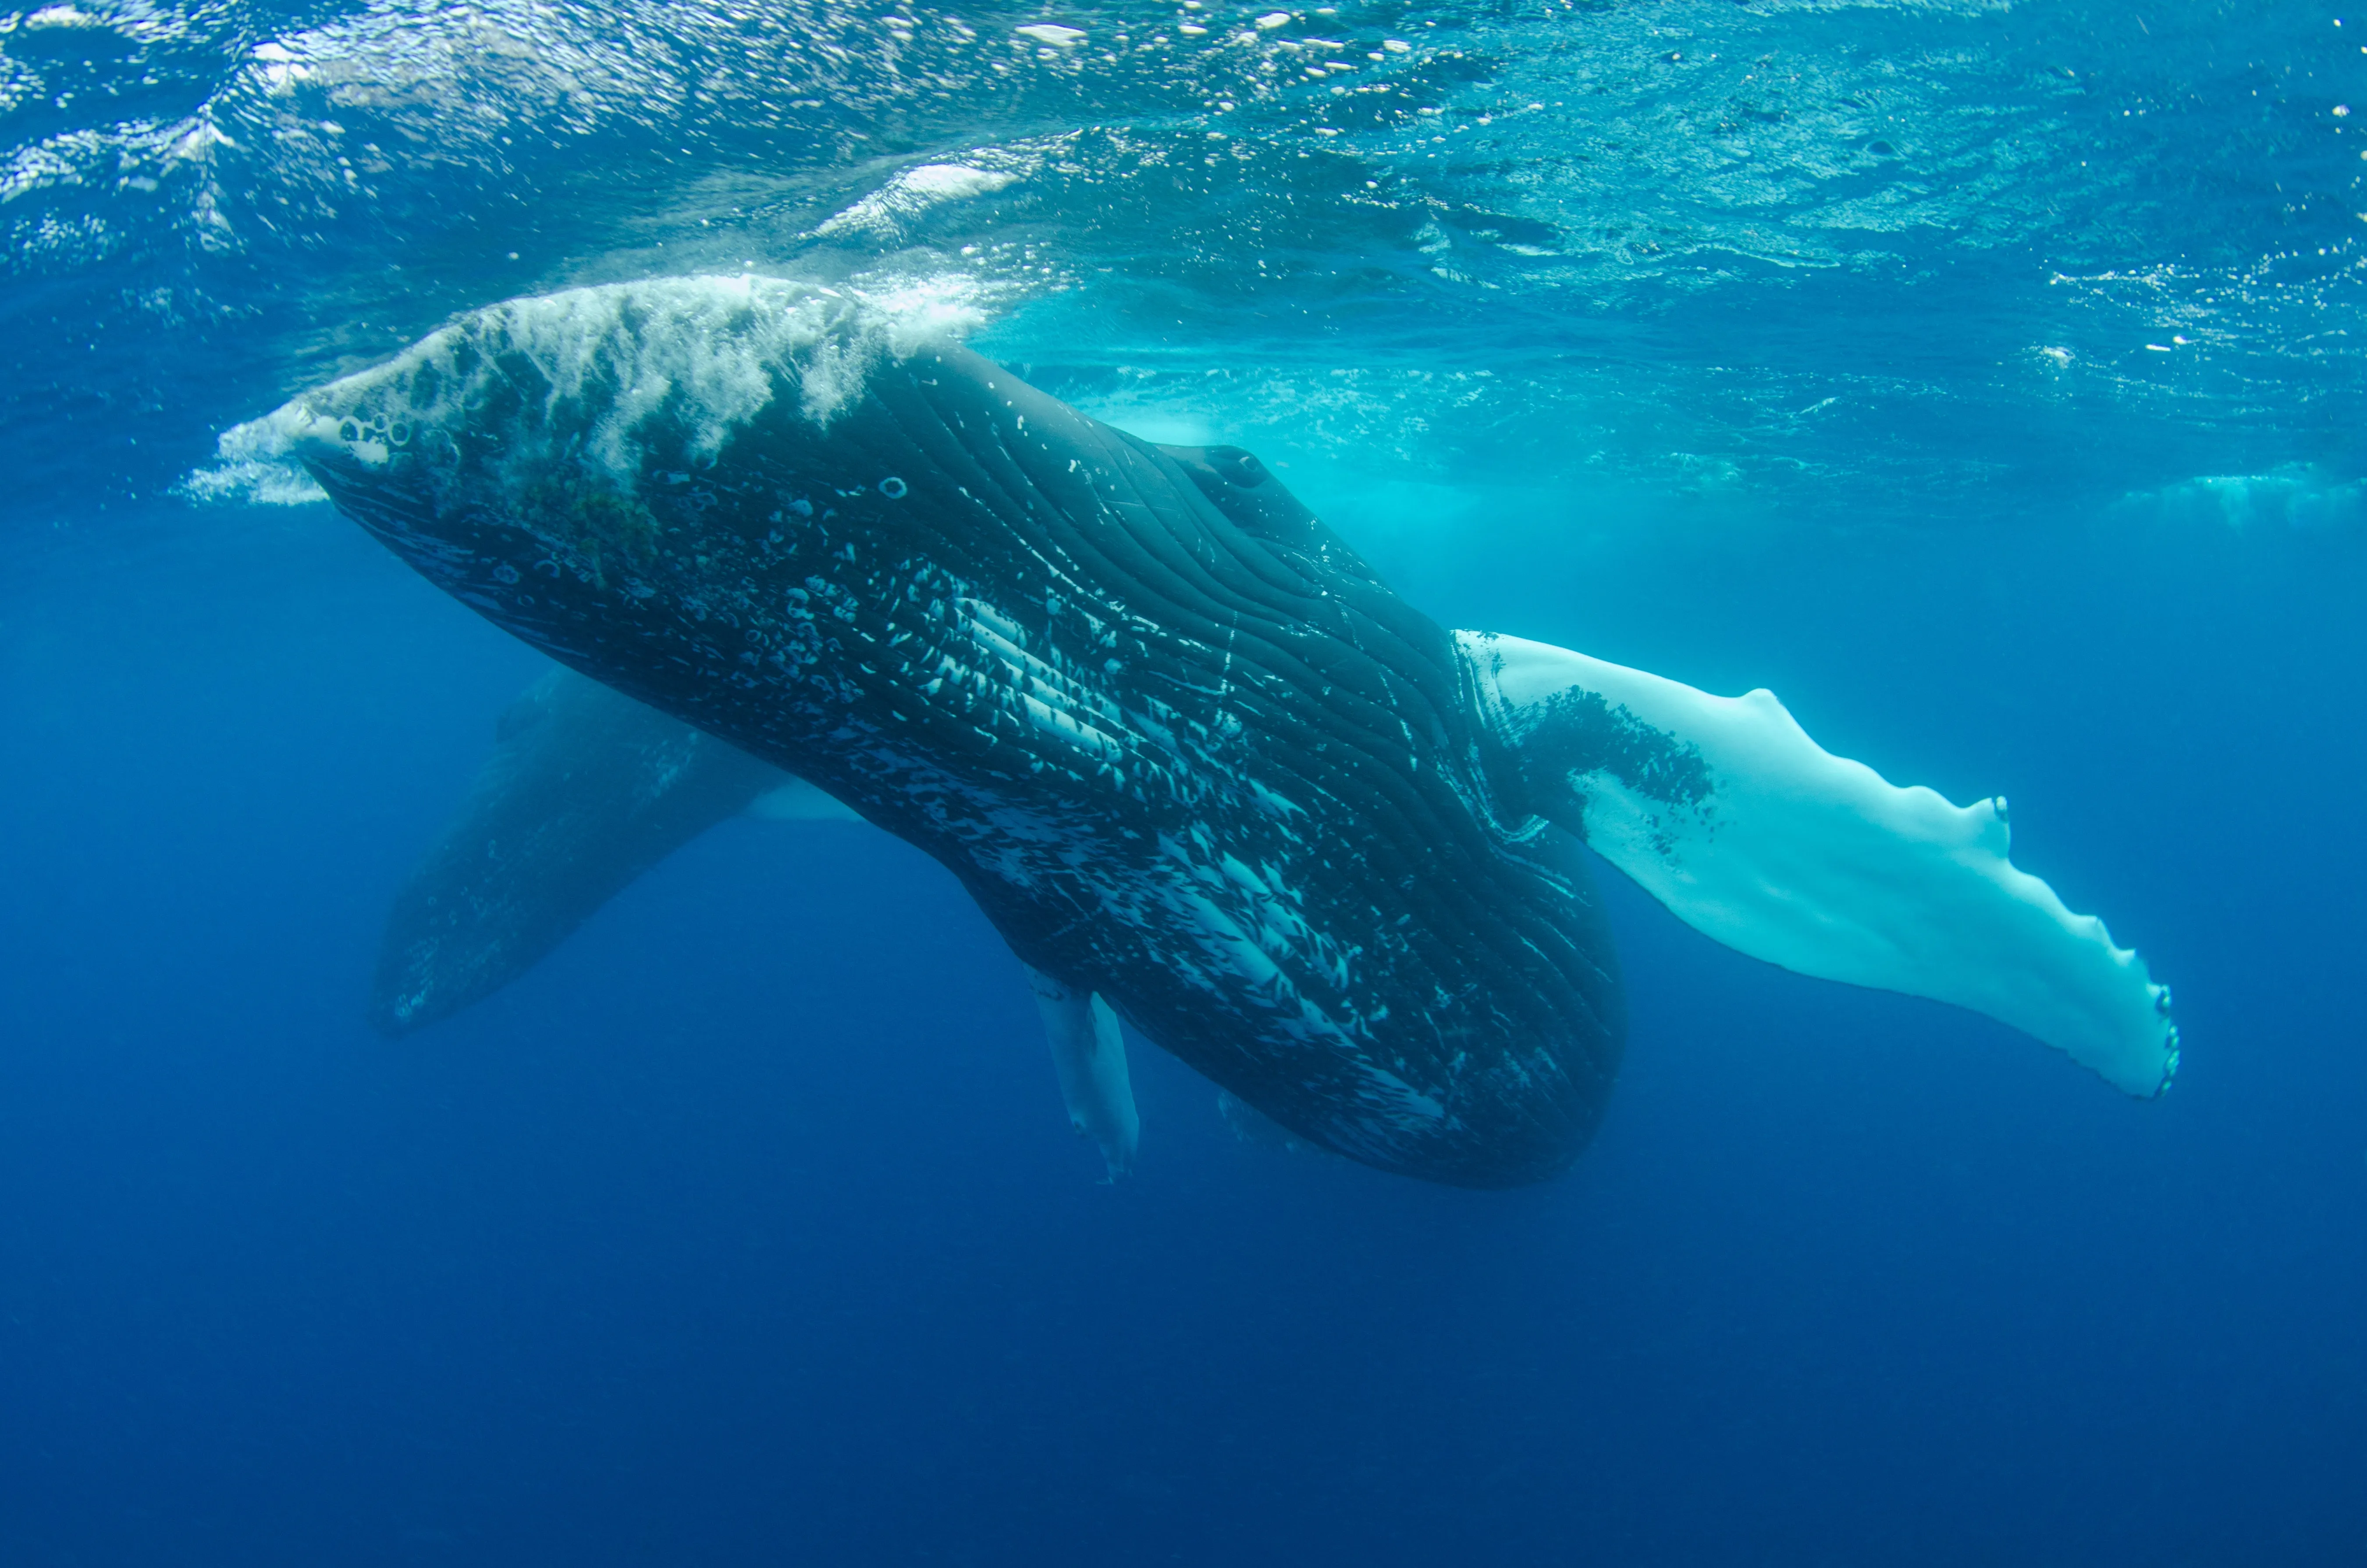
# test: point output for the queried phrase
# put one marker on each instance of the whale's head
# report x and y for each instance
(593, 418)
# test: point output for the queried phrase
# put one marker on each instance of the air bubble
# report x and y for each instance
(400, 433)
(893, 488)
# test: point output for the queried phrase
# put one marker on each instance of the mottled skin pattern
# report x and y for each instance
(1181, 746)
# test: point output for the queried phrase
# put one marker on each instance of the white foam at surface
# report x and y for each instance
(2296, 495)
(1815, 863)
(705, 350)
(255, 470)
(953, 182)
(913, 192)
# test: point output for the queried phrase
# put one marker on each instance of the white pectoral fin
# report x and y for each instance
(1089, 1054)
(1724, 809)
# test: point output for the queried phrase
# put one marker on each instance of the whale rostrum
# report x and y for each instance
(1191, 756)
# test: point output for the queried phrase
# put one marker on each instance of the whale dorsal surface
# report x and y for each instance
(1189, 754)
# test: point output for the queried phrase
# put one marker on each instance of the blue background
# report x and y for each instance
(748, 1227)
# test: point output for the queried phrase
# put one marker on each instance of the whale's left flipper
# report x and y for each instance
(1089, 1054)
(587, 789)
(1725, 810)
(584, 790)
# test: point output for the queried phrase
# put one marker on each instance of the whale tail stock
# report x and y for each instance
(1725, 810)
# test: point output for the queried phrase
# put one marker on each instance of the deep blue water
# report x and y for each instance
(1986, 379)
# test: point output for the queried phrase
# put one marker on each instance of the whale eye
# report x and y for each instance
(1238, 467)
(893, 488)
(349, 431)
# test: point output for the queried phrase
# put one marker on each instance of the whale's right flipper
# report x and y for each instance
(1724, 809)
(584, 790)
(1089, 1054)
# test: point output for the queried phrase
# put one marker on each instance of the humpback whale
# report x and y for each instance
(1201, 768)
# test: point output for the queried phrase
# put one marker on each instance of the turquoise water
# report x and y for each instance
(1983, 378)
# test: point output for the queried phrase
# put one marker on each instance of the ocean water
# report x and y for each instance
(1985, 379)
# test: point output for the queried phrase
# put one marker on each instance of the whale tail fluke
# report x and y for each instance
(1724, 809)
